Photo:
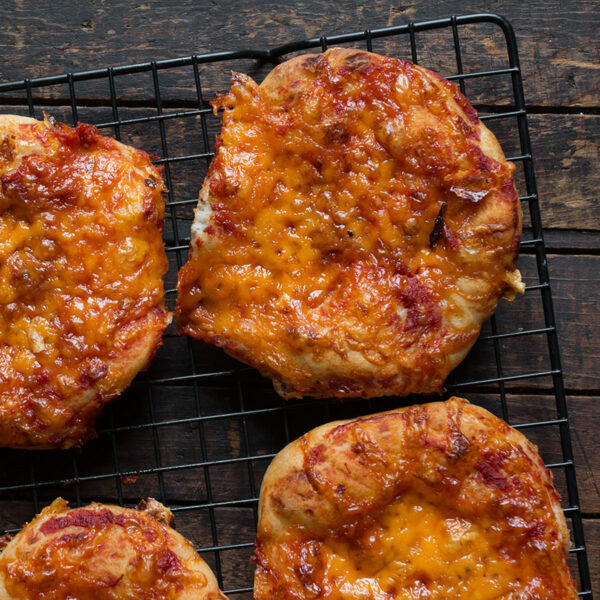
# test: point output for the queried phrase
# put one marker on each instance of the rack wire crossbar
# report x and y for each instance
(198, 430)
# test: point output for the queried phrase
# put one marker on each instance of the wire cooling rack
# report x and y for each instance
(197, 430)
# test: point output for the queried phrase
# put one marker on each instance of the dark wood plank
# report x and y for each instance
(592, 533)
(576, 288)
(566, 151)
(557, 40)
(173, 473)
(572, 242)
(584, 413)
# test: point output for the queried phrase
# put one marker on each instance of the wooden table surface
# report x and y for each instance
(559, 50)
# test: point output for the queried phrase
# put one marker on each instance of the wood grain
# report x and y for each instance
(592, 529)
(571, 241)
(576, 288)
(557, 39)
(566, 151)
(584, 412)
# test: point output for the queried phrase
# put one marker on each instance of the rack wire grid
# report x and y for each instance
(198, 429)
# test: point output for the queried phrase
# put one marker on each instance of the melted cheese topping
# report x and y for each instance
(81, 265)
(438, 501)
(412, 549)
(102, 553)
(416, 549)
(358, 232)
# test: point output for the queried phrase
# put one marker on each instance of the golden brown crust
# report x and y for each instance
(440, 497)
(103, 552)
(81, 266)
(357, 225)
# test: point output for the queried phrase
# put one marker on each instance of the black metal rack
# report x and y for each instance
(197, 430)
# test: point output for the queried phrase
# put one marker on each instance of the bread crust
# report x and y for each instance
(82, 307)
(330, 490)
(356, 227)
(102, 552)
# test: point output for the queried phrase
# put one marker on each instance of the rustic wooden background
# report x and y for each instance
(559, 49)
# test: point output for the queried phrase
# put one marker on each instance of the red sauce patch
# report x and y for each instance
(167, 561)
(129, 479)
(317, 454)
(221, 216)
(79, 518)
(490, 467)
(149, 534)
(422, 310)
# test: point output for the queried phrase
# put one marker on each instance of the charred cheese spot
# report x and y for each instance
(317, 215)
